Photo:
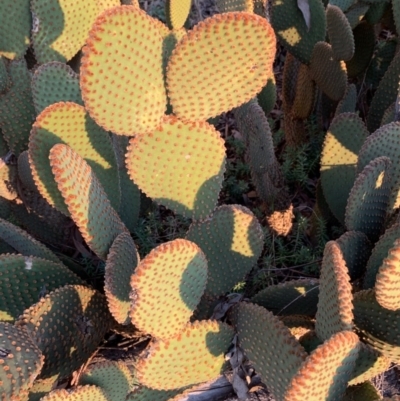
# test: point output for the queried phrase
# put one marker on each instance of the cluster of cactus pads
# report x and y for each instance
(101, 103)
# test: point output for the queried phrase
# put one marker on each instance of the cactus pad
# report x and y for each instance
(25, 171)
(232, 240)
(70, 124)
(15, 28)
(124, 77)
(168, 285)
(79, 318)
(264, 338)
(55, 82)
(369, 199)
(177, 12)
(120, 265)
(335, 298)
(87, 202)
(60, 28)
(194, 356)
(31, 278)
(142, 393)
(348, 103)
(239, 47)
(228, 6)
(180, 165)
(5, 80)
(79, 393)
(20, 361)
(342, 144)
(325, 373)
(362, 392)
(295, 297)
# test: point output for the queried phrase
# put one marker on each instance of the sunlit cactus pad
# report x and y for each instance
(86, 199)
(325, 373)
(15, 27)
(179, 165)
(122, 81)
(55, 82)
(79, 393)
(122, 260)
(113, 377)
(290, 298)
(237, 47)
(264, 338)
(20, 362)
(232, 240)
(177, 12)
(68, 325)
(69, 123)
(31, 278)
(60, 28)
(167, 285)
(194, 356)
(335, 308)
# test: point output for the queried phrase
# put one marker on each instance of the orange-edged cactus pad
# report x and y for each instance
(121, 73)
(222, 62)
(179, 165)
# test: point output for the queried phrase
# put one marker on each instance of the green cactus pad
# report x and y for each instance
(356, 250)
(24, 243)
(342, 144)
(5, 80)
(114, 378)
(194, 356)
(25, 171)
(295, 297)
(86, 199)
(383, 142)
(376, 11)
(41, 388)
(291, 28)
(389, 115)
(303, 103)
(310, 341)
(344, 5)
(387, 281)
(369, 364)
(125, 77)
(329, 74)
(369, 199)
(31, 278)
(340, 33)
(68, 325)
(60, 28)
(348, 103)
(79, 393)
(363, 392)
(356, 13)
(379, 253)
(20, 360)
(142, 393)
(232, 240)
(227, 6)
(385, 95)
(377, 326)
(55, 82)
(179, 165)
(325, 373)
(298, 325)
(69, 123)
(239, 48)
(267, 97)
(15, 28)
(177, 12)
(264, 338)
(8, 181)
(168, 282)
(364, 39)
(335, 306)
(120, 265)
(17, 112)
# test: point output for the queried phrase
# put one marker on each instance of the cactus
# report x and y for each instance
(25, 171)
(142, 393)
(356, 13)
(21, 362)
(363, 392)
(226, 6)
(195, 94)
(195, 355)
(79, 393)
(170, 280)
(55, 82)
(84, 136)
(344, 5)
(177, 12)
(155, 161)
(348, 103)
(87, 202)
(5, 81)
(298, 325)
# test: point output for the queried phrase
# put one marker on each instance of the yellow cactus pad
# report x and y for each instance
(79, 393)
(167, 285)
(222, 62)
(121, 74)
(87, 202)
(324, 374)
(194, 356)
(70, 124)
(177, 12)
(179, 165)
